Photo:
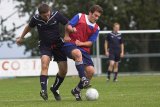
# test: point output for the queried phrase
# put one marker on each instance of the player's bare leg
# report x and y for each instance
(89, 71)
(59, 79)
(45, 60)
(84, 82)
(115, 70)
(110, 69)
(77, 56)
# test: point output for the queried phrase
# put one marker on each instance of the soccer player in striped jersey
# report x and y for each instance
(81, 33)
(114, 49)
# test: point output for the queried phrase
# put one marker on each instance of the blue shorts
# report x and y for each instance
(115, 56)
(56, 53)
(68, 47)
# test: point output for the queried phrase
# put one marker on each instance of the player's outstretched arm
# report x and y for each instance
(19, 40)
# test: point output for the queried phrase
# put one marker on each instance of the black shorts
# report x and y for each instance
(56, 53)
(115, 56)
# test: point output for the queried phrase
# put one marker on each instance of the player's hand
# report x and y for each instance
(74, 30)
(122, 55)
(67, 38)
(78, 43)
(107, 54)
(19, 40)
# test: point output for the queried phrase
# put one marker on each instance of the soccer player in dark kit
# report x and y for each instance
(82, 32)
(114, 49)
(50, 43)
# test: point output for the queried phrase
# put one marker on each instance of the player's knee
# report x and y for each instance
(62, 68)
(111, 65)
(62, 71)
(44, 67)
(77, 55)
(115, 68)
(90, 72)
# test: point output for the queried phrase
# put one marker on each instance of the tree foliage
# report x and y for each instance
(131, 14)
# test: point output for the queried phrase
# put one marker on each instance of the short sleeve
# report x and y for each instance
(121, 40)
(107, 37)
(94, 36)
(61, 18)
(32, 22)
(75, 19)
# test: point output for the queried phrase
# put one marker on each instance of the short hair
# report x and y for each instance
(96, 8)
(43, 8)
(116, 23)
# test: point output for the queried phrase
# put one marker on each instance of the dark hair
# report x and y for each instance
(96, 8)
(43, 8)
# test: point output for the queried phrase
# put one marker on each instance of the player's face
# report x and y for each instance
(116, 28)
(93, 17)
(46, 16)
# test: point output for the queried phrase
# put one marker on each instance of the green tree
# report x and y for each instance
(131, 14)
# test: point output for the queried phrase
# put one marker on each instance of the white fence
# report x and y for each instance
(32, 67)
(99, 57)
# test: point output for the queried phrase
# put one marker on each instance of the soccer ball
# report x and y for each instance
(92, 94)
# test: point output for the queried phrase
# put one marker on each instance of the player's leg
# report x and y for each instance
(45, 60)
(77, 90)
(90, 71)
(115, 70)
(111, 65)
(75, 54)
(61, 60)
(62, 65)
(116, 65)
(110, 68)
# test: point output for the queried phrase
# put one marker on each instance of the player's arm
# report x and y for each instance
(122, 50)
(63, 20)
(106, 47)
(69, 28)
(90, 41)
(27, 29)
(85, 44)
(122, 47)
(72, 23)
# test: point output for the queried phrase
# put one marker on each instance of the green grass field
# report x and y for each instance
(129, 91)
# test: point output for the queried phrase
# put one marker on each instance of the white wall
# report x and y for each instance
(31, 67)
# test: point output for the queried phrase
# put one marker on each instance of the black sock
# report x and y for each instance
(58, 82)
(80, 69)
(43, 82)
(79, 87)
(115, 75)
(108, 74)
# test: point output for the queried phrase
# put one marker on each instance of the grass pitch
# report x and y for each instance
(129, 91)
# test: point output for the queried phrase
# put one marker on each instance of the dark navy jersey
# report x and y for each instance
(48, 31)
(114, 41)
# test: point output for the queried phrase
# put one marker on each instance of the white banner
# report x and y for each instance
(30, 67)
